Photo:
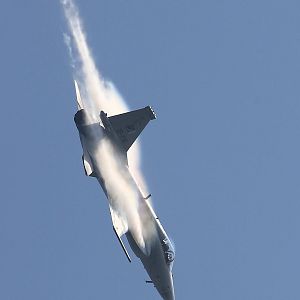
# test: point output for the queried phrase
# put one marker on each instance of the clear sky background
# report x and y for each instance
(221, 160)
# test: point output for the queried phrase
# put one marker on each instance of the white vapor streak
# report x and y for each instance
(98, 95)
(121, 190)
(101, 94)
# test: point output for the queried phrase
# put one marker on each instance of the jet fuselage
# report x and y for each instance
(151, 244)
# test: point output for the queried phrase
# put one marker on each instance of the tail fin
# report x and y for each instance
(128, 126)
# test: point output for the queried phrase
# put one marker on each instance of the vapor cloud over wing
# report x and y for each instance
(99, 94)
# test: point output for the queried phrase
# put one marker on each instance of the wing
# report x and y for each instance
(120, 227)
(118, 221)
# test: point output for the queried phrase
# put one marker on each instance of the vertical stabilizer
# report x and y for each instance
(128, 126)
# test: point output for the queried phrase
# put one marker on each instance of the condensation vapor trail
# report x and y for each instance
(98, 95)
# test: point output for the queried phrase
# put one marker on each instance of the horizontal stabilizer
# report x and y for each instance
(128, 126)
(87, 165)
(78, 97)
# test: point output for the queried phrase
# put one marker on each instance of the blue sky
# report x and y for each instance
(221, 160)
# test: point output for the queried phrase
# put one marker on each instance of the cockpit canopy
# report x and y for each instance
(169, 251)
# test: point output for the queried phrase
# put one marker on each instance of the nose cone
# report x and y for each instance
(166, 288)
(168, 295)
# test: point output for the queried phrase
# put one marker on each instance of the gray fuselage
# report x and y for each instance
(159, 257)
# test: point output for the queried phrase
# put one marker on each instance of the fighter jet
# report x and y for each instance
(148, 241)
